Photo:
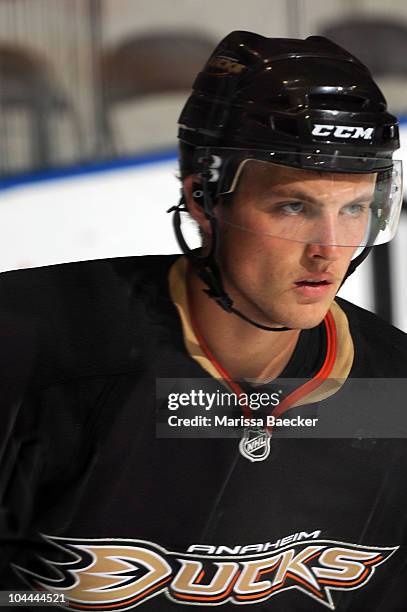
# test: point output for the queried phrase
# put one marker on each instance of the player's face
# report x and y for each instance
(291, 280)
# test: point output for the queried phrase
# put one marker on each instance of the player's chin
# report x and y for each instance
(306, 316)
(292, 312)
(295, 318)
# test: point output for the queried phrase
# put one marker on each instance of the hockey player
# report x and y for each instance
(287, 492)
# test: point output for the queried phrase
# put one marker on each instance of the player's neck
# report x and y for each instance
(243, 350)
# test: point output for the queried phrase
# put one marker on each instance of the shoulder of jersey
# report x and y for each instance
(380, 348)
(82, 317)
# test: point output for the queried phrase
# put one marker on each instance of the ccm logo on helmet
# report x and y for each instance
(342, 131)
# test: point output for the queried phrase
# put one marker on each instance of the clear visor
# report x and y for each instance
(326, 207)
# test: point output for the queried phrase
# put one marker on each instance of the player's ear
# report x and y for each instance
(194, 202)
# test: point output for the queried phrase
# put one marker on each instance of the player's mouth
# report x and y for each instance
(316, 286)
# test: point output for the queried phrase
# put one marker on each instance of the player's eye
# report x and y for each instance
(292, 208)
(355, 210)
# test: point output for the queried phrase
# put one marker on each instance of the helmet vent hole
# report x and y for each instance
(341, 102)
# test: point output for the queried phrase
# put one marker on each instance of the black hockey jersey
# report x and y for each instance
(106, 504)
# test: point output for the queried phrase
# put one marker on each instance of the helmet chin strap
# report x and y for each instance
(356, 262)
(212, 278)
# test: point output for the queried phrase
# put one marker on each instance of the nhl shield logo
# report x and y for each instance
(255, 444)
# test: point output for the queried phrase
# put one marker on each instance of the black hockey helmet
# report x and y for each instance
(288, 95)
(301, 103)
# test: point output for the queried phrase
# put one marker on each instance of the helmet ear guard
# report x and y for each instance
(205, 265)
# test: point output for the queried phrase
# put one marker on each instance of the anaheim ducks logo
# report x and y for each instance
(122, 574)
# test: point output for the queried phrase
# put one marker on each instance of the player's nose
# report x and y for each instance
(327, 252)
(325, 241)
